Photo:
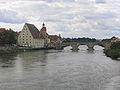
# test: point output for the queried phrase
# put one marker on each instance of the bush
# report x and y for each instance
(115, 45)
(113, 53)
(8, 37)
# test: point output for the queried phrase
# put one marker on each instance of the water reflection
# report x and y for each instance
(31, 57)
(90, 51)
(7, 60)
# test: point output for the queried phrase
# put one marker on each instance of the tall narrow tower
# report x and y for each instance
(43, 25)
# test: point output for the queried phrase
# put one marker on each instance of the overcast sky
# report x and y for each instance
(70, 18)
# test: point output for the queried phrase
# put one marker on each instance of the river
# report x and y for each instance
(59, 70)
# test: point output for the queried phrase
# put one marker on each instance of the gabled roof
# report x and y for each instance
(34, 31)
(43, 30)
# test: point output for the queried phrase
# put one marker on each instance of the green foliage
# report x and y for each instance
(80, 40)
(3, 52)
(8, 37)
(113, 53)
(106, 40)
(115, 45)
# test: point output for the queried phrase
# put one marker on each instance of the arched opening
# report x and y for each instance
(68, 48)
(97, 47)
(83, 47)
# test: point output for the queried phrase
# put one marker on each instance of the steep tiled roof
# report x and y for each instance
(34, 31)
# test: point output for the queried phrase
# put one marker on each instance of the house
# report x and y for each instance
(115, 39)
(54, 38)
(30, 36)
(2, 30)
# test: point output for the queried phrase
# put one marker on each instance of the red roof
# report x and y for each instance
(43, 32)
(54, 37)
(2, 30)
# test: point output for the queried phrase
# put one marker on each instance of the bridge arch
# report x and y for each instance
(75, 45)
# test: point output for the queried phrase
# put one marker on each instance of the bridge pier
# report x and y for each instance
(75, 46)
(90, 46)
(58, 45)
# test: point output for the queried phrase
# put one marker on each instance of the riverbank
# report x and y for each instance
(113, 53)
(10, 51)
(14, 49)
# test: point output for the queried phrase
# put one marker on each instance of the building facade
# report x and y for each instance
(30, 36)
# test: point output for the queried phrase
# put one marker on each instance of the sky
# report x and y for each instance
(70, 18)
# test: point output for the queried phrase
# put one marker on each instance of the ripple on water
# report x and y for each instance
(113, 84)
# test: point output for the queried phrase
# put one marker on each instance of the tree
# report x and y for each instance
(115, 45)
(8, 37)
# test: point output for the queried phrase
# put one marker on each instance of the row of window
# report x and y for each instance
(24, 36)
(25, 42)
(25, 39)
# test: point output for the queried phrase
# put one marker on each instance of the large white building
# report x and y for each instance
(30, 36)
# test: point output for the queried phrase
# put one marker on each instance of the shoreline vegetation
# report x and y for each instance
(114, 51)
(10, 51)
(14, 49)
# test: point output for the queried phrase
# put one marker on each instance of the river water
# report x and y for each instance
(59, 70)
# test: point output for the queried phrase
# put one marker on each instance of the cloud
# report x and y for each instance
(8, 16)
(100, 1)
(71, 18)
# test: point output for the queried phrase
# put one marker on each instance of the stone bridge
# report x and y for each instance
(75, 45)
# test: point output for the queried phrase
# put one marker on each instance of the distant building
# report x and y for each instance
(115, 39)
(54, 38)
(2, 30)
(30, 36)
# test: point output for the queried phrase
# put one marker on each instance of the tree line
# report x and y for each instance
(114, 51)
(7, 36)
(80, 40)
